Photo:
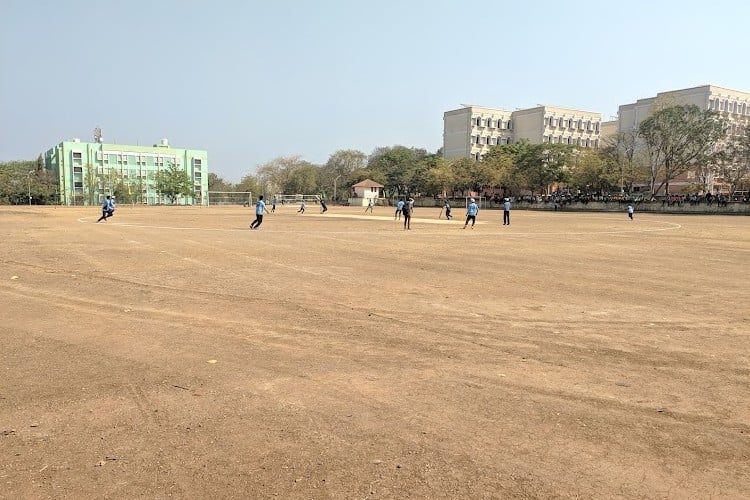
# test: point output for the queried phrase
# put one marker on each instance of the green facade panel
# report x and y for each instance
(88, 171)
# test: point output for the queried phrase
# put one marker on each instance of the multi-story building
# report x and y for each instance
(88, 171)
(472, 130)
(731, 104)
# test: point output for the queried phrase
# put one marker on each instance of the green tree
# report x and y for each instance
(14, 181)
(249, 183)
(302, 179)
(678, 138)
(440, 179)
(594, 171)
(396, 167)
(216, 183)
(504, 160)
(279, 176)
(542, 165)
(172, 182)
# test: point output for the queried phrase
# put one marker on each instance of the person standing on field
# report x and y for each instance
(301, 207)
(260, 207)
(506, 212)
(407, 210)
(323, 206)
(471, 213)
(447, 208)
(630, 210)
(399, 209)
(369, 206)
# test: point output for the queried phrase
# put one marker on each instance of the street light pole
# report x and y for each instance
(28, 177)
(334, 187)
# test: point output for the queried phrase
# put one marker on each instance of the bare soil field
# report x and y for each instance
(172, 352)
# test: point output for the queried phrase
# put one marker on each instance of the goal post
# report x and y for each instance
(296, 199)
(481, 201)
(216, 198)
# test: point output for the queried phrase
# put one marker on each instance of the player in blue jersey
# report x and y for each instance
(471, 213)
(260, 207)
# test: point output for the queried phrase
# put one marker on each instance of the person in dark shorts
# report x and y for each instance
(108, 209)
(471, 213)
(260, 207)
(407, 211)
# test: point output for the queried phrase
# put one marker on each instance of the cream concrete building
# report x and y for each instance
(469, 132)
(731, 104)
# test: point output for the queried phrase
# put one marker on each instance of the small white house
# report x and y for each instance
(364, 191)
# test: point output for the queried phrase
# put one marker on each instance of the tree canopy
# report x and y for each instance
(172, 182)
(678, 138)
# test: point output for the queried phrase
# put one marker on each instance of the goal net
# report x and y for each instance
(244, 198)
(296, 199)
(481, 201)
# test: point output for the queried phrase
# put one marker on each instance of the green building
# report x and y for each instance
(88, 171)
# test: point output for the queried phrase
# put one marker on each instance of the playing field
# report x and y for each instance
(172, 352)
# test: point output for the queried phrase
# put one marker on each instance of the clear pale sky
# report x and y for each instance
(252, 80)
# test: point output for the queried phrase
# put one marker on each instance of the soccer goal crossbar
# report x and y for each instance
(244, 198)
(291, 199)
(481, 201)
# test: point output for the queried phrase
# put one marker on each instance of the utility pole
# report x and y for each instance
(334, 187)
(28, 177)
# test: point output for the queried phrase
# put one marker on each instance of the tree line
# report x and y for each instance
(673, 140)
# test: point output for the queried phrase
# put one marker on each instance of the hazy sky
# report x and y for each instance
(252, 80)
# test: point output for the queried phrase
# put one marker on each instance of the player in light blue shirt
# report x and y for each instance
(630, 210)
(399, 209)
(260, 207)
(506, 212)
(108, 209)
(471, 213)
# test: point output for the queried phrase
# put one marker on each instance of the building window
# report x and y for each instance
(510, 125)
(77, 156)
(561, 123)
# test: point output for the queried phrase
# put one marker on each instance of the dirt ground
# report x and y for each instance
(172, 352)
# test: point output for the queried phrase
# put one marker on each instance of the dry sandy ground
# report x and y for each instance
(171, 352)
